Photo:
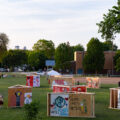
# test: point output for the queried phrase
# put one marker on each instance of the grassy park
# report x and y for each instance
(40, 94)
(64, 35)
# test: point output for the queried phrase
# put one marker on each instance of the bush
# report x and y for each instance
(31, 110)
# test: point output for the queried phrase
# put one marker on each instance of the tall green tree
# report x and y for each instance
(3, 44)
(45, 46)
(94, 59)
(110, 25)
(36, 59)
(63, 55)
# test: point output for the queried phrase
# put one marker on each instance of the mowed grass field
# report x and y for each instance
(101, 101)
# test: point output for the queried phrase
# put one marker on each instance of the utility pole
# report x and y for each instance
(112, 58)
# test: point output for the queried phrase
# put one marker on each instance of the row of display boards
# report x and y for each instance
(67, 98)
(91, 82)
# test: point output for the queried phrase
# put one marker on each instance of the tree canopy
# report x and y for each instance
(110, 25)
(63, 55)
(78, 47)
(45, 46)
(36, 59)
(108, 45)
(117, 66)
(94, 59)
(117, 56)
(14, 58)
(3, 44)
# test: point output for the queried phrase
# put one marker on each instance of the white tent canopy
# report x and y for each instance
(53, 72)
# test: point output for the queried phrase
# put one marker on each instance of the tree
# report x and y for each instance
(78, 47)
(3, 44)
(15, 58)
(45, 46)
(94, 59)
(117, 66)
(36, 59)
(108, 45)
(63, 55)
(111, 23)
(116, 57)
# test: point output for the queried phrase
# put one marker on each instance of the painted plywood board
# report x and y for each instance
(80, 105)
(36, 81)
(59, 105)
(71, 105)
(33, 81)
(16, 95)
(60, 80)
(27, 98)
(92, 82)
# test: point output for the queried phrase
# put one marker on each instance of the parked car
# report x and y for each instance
(20, 70)
(3, 70)
(49, 69)
(40, 73)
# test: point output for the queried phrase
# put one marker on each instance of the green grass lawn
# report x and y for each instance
(101, 101)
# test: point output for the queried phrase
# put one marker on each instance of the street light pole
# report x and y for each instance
(112, 57)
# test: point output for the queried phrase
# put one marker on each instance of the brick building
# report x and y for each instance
(108, 66)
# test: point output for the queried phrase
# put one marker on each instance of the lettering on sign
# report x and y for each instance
(77, 104)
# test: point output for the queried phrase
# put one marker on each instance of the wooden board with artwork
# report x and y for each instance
(65, 88)
(33, 80)
(93, 82)
(71, 105)
(114, 98)
(60, 80)
(19, 95)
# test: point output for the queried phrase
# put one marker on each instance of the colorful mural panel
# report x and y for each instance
(36, 81)
(92, 82)
(59, 105)
(33, 81)
(27, 98)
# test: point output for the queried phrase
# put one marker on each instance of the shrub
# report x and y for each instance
(31, 110)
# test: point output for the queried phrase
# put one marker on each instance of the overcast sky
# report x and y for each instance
(27, 21)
